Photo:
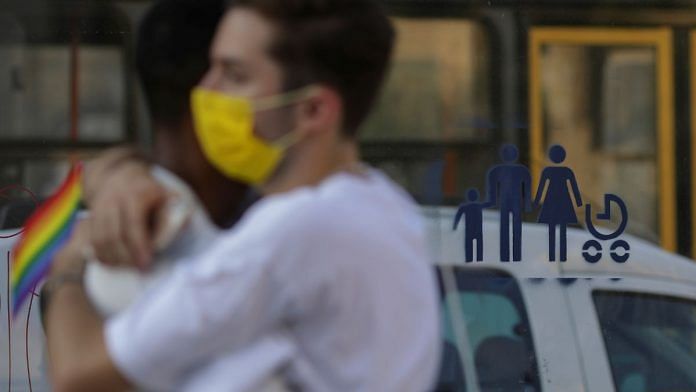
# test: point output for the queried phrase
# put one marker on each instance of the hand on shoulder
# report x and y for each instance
(123, 199)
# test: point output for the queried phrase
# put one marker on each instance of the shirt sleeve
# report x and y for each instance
(225, 300)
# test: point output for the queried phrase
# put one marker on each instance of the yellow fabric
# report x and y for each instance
(225, 129)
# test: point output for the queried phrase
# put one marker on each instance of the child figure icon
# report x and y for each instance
(472, 210)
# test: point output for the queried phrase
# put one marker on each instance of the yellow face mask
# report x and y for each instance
(224, 125)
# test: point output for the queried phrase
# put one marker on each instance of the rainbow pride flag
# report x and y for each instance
(44, 234)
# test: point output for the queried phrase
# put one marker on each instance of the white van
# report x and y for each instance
(532, 325)
(536, 325)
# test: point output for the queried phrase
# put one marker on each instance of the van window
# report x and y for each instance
(650, 340)
(496, 326)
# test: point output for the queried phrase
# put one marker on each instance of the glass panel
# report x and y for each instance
(37, 96)
(42, 93)
(102, 100)
(628, 102)
(600, 104)
(497, 327)
(650, 341)
(11, 34)
(438, 87)
(44, 176)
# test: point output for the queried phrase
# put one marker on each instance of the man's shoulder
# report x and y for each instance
(297, 204)
(274, 215)
(340, 202)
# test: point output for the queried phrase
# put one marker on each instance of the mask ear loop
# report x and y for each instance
(289, 139)
(283, 99)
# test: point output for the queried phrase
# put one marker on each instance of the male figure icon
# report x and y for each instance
(473, 224)
(509, 187)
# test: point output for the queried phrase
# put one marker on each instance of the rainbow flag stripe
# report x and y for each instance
(44, 234)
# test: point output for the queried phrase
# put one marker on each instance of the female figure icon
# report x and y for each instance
(557, 208)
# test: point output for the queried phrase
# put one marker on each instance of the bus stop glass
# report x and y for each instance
(434, 116)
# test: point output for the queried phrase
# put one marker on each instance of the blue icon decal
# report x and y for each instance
(558, 205)
(472, 211)
(508, 187)
(606, 216)
(596, 255)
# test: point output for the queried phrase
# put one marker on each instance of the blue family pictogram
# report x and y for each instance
(556, 202)
(473, 224)
(508, 187)
(594, 244)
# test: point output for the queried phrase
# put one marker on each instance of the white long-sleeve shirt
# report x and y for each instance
(112, 290)
(336, 274)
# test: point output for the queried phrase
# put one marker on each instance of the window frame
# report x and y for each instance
(661, 40)
(89, 25)
(449, 281)
(692, 118)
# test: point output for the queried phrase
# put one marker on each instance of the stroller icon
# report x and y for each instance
(606, 216)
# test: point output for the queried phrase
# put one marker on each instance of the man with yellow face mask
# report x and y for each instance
(332, 262)
(225, 128)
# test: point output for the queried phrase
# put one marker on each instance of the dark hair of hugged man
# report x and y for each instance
(172, 54)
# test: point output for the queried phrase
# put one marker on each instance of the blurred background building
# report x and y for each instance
(610, 80)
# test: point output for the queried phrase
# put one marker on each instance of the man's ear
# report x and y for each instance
(322, 110)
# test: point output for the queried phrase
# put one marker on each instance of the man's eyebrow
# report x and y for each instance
(231, 62)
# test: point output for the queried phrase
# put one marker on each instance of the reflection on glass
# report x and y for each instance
(438, 87)
(41, 98)
(599, 103)
(628, 102)
(44, 176)
(432, 129)
(11, 34)
(37, 93)
(102, 102)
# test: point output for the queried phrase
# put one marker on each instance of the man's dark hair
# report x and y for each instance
(345, 44)
(172, 54)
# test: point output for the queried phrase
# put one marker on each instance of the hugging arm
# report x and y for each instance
(79, 360)
(123, 199)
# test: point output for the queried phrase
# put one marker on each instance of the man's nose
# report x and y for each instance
(211, 80)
